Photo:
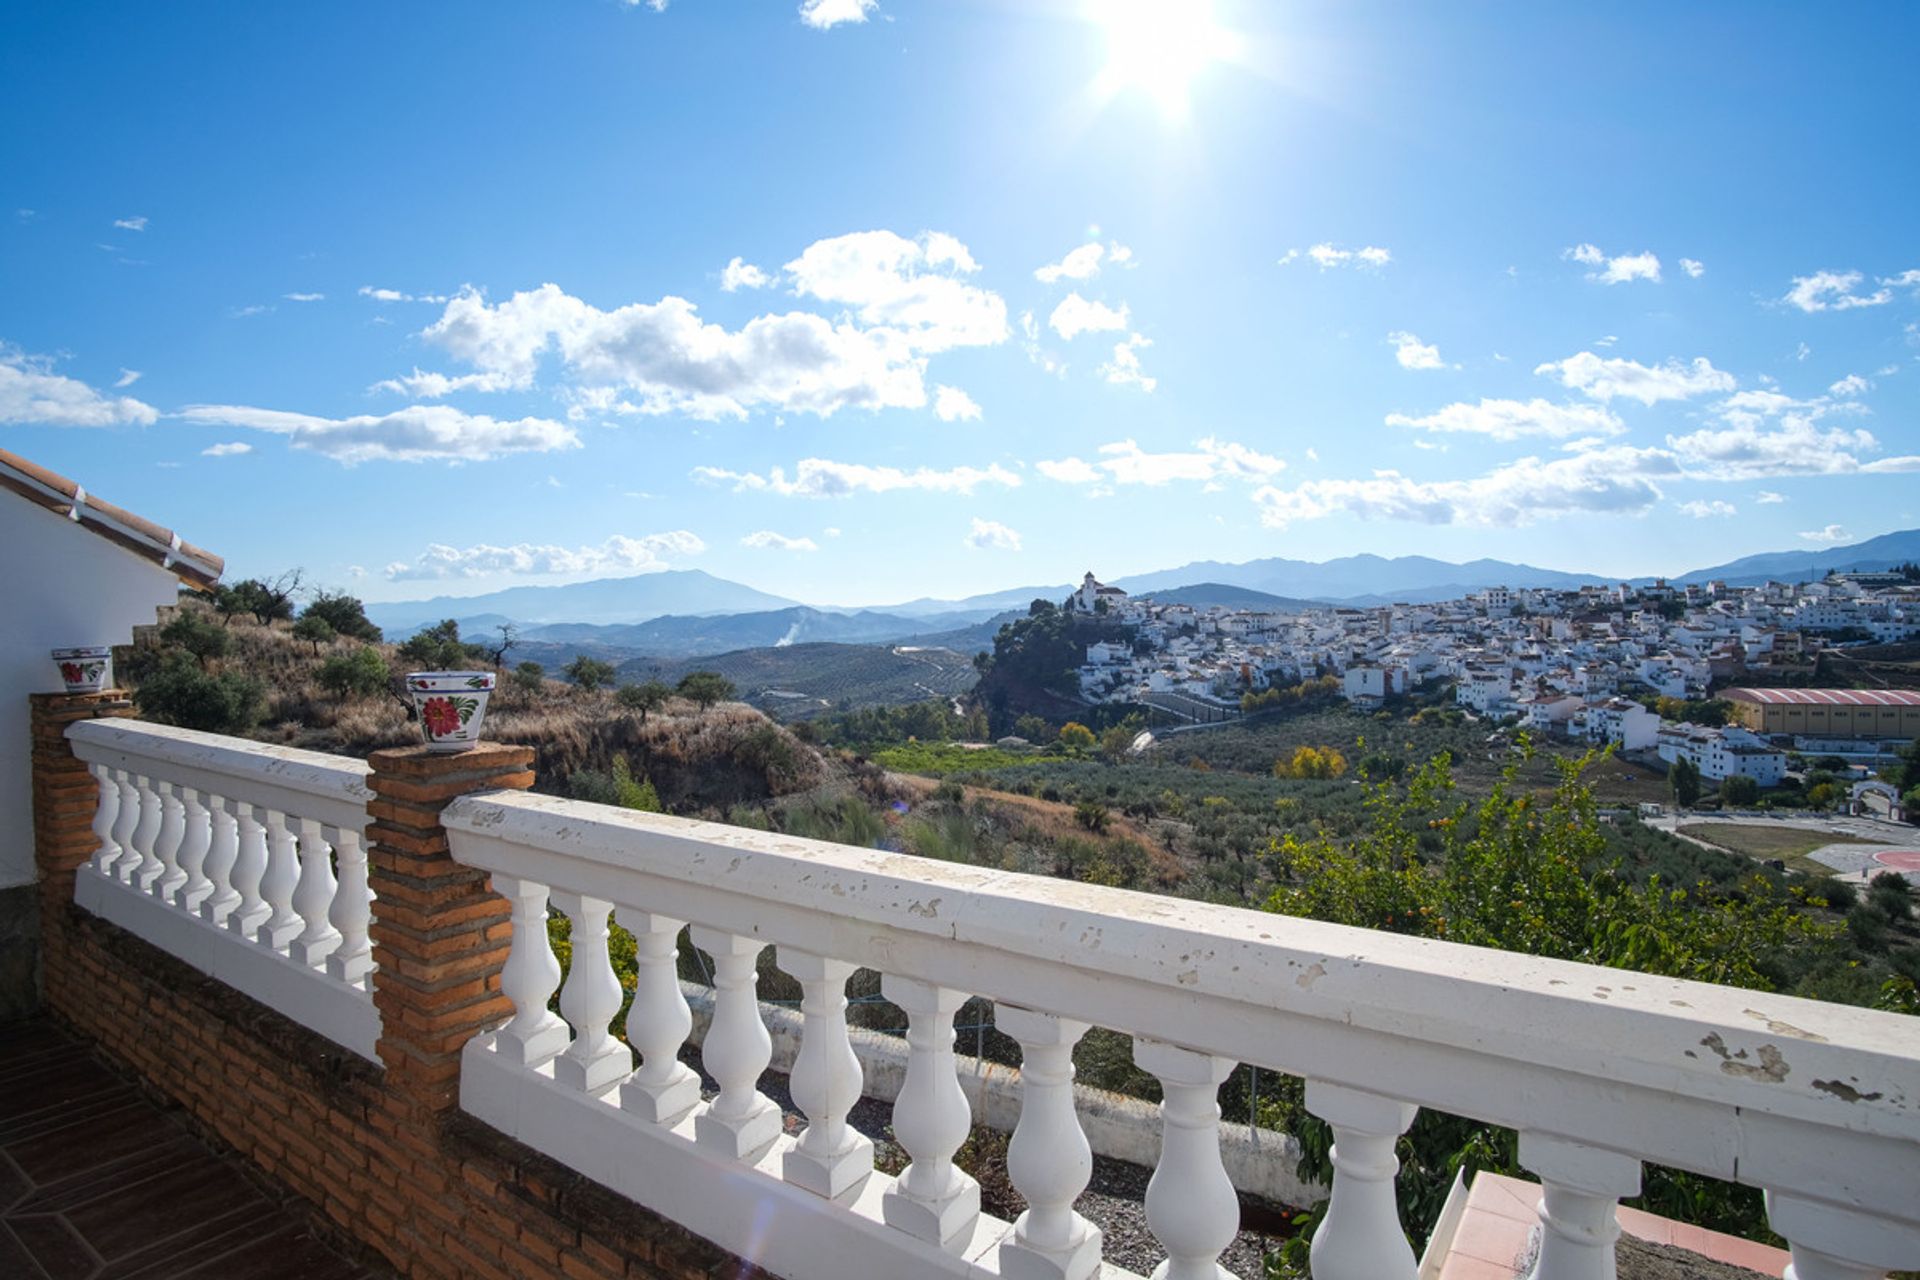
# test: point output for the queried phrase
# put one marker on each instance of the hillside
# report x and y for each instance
(604, 601)
(1211, 595)
(1873, 555)
(799, 681)
(679, 636)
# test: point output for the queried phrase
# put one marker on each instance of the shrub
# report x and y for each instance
(529, 677)
(1739, 790)
(1312, 762)
(1075, 736)
(315, 631)
(440, 648)
(354, 675)
(588, 674)
(644, 698)
(198, 634)
(1092, 815)
(345, 614)
(181, 692)
(705, 688)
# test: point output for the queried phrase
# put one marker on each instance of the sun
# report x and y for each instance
(1157, 47)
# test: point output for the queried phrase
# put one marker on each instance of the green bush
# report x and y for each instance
(315, 631)
(587, 673)
(198, 634)
(530, 677)
(358, 674)
(345, 614)
(181, 692)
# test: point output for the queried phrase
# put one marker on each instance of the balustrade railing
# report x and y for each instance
(1598, 1069)
(247, 861)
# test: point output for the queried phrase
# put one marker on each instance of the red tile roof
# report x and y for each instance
(134, 533)
(1827, 697)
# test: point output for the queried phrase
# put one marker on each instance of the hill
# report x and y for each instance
(1210, 595)
(1873, 555)
(1349, 576)
(678, 636)
(798, 681)
(603, 601)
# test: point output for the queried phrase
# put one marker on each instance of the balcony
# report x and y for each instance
(437, 1104)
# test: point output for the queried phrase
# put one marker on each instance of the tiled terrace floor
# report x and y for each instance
(97, 1182)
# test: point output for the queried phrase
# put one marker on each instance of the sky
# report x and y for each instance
(860, 301)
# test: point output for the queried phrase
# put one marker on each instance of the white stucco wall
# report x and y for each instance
(60, 585)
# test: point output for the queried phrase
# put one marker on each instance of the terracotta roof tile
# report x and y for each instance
(193, 566)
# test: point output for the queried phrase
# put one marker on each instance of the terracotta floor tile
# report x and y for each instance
(1491, 1238)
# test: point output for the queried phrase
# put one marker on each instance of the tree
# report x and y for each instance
(588, 674)
(183, 693)
(705, 688)
(358, 674)
(1032, 728)
(1312, 762)
(1075, 736)
(267, 599)
(1684, 779)
(345, 614)
(198, 635)
(509, 637)
(1092, 815)
(1740, 791)
(530, 677)
(646, 697)
(315, 630)
(1116, 742)
(440, 648)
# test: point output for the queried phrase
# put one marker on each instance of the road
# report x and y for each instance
(1850, 860)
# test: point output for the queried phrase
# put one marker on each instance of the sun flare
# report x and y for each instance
(1158, 46)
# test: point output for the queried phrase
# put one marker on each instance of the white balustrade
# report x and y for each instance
(1599, 1070)
(1581, 1188)
(352, 909)
(742, 1122)
(595, 1062)
(218, 850)
(1361, 1238)
(532, 974)
(933, 1199)
(1191, 1205)
(1048, 1159)
(831, 1159)
(663, 1089)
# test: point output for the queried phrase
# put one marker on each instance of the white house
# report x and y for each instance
(1369, 685)
(1723, 753)
(1091, 593)
(78, 571)
(1621, 721)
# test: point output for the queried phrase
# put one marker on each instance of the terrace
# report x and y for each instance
(342, 970)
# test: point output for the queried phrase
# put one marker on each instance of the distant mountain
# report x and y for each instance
(1209, 595)
(678, 636)
(603, 601)
(982, 606)
(1350, 576)
(1873, 555)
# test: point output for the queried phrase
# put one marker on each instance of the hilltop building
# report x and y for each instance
(1092, 593)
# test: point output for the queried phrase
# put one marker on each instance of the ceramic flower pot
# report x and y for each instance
(88, 669)
(451, 705)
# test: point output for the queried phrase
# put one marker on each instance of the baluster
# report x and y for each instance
(1048, 1159)
(932, 1200)
(223, 850)
(144, 868)
(312, 897)
(249, 866)
(1361, 1238)
(1191, 1205)
(832, 1158)
(535, 1033)
(124, 826)
(166, 846)
(352, 911)
(664, 1088)
(194, 846)
(106, 812)
(1581, 1187)
(1831, 1243)
(742, 1121)
(595, 1061)
(282, 925)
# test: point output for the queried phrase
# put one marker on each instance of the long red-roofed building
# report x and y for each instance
(1829, 713)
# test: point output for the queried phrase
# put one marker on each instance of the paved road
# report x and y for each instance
(1851, 860)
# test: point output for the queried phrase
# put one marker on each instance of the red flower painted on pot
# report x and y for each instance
(441, 716)
(71, 673)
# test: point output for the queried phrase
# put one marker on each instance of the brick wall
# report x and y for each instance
(382, 1153)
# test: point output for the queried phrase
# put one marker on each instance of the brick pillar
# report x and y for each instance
(440, 934)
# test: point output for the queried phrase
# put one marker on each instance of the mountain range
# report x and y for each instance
(684, 612)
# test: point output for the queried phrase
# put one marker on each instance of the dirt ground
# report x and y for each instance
(1639, 1260)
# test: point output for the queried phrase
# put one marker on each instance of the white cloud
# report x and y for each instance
(1908, 279)
(1796, 446)
(951, 404)
(1076, 315)
(31, 392)
(1326, 254)
(1413, 353)
(1615, 270)
(1693, 267)
(1851, 385)
(1768, 498)
(304, 297)
(1834, 291)
(416, 433)
(395, 295)
(257, 309)
(1125, 462)
(423, 384)
(820, 478)
(913, 287)
(992, 535)
(1083, 263)
(1604, 379)
(739, 274)
(1701, 509)
(1124, 369)
(1513, 420)
(229, 450)
(768, 540)
(1831, 534)
(1617, 480)
(617, 555)
(823, 15)
(136, 223)
(126, 379)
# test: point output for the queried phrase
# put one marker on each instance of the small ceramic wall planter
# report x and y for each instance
(88, 669)
(451, 705)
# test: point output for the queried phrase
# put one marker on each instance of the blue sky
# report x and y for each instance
(434, 299)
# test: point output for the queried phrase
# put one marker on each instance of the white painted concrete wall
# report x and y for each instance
(60, 585)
